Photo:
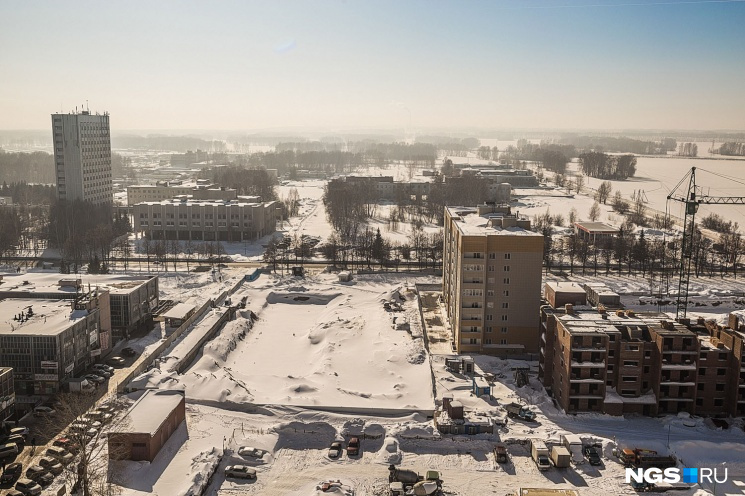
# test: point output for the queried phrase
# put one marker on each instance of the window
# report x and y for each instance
(646, 369)
(490, 280)
(505, 293)
(490, 305)
(506, 268)
(628, 392)
(719, 402)
(720, 387)
(507, 256)
(629, 378)
(505, 304)
(492, 256)
(722, 356)
(721, 371)
(504, 318)
(702, 371)
(647, 354)
(702, 355)
(492, 268)
(630, 363)
(487, 341)
(633, 347)
(502, 341)
(506, 280)
(504, 330)
(489, 317)
(488, 328)
(611, 353)
(490, 292)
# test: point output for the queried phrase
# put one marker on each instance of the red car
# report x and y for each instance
(353, 446)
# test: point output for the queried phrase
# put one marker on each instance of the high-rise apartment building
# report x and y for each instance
(82, 156)
(492, 280)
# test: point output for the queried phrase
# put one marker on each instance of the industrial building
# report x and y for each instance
(82, 157)
(206, 220)
(147, 426)
(619, 363)
(491, 280)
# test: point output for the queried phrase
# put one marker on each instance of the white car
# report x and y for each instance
(240, 472)
(103, 366)
(250, 452)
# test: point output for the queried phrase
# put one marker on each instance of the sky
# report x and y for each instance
(336, 65)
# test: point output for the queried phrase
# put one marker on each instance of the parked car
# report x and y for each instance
(591, 454)
(39, 475)
(21, 431)
(353, 446)
(8, 450)
(11, 473)
(250, 452)
(129, 352)
(29, 487)
(66, 444)
(103, 366)
(14, 492)
(50, 464)
(116, 361)
(43, 411)
(18, 440)
(335, 449)
(500, 453)
(100, 416)
(95, 379)
(240, 472)
(59, 454)
(101, 372)
(89, 420)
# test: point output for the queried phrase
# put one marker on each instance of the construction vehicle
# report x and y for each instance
(516, 410)
(403, 482)
(643, 458)
(539, 453)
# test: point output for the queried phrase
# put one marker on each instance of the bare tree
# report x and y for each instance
(579, 183)
(594, 212)
(603, 192)
(83, 426)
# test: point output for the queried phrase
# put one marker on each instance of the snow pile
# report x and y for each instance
(390, 452)
(336, 487)
(202, 467)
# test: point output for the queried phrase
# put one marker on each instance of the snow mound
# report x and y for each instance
(336, 487)
(202, 467)
(389, 452)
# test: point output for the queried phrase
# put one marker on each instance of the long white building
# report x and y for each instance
(82, 156)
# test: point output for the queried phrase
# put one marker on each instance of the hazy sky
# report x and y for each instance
(330, 64)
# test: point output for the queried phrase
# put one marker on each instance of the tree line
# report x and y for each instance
(35, 167)
(246, 181)
(622, 144)
(603, 166)
(731, 148)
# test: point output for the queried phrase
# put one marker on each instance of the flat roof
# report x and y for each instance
(38, 281)
(470, 223)
(151, 410)
(565, 287)
(596, 227)
(50, 317)
(179, 311)
(204, 203)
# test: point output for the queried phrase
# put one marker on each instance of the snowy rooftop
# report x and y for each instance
(151, 410)
(565, 287)
(48, 282)
(470, 223)
(49, 317)
(202, 203)
(589, 321)
(179, 311)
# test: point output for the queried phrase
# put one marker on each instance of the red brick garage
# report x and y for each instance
(147, 426)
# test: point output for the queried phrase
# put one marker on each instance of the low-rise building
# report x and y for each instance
(595, 232)
(619, 362)
(168, 190)
(147, 426)
(48, 341)
(127, 309)
(206, 220)
(559, 294)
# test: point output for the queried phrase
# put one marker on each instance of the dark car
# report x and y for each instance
(129, 352)
(11, 473)
(66, 444)
(353, 447)
(500, 453)
(39, 475)
(18, 440)
(592, 455)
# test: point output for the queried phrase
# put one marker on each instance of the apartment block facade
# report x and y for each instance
(206, 220)
(82, 157)
(619, 363)
(491, 281)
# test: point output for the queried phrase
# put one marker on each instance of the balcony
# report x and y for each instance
(588, 364)
(678, 366)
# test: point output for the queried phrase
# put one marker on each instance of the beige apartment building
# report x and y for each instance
(492, 281)
(206, 220)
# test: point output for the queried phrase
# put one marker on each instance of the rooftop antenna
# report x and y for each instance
(86, 106)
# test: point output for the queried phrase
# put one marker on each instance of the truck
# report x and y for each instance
(516, 410)
(560, 456)
(80, 385)
(403, 481)
(643, 458)
(573, 443)
(539, 453)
